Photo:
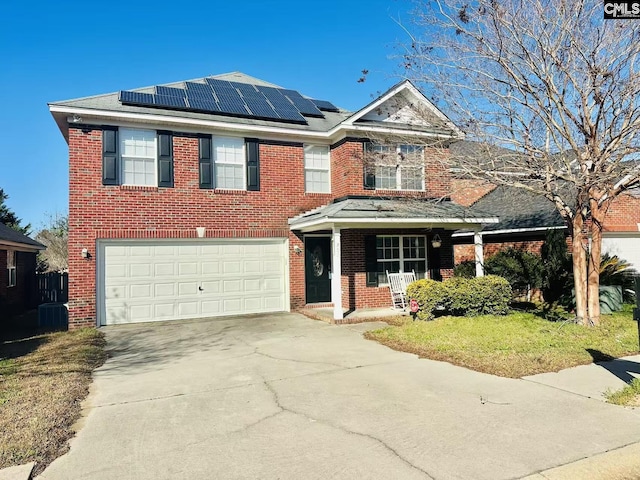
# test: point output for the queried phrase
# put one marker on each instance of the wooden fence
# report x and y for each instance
(53, 287)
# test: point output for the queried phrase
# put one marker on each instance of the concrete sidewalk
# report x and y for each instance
(19, 472)
(282, 396)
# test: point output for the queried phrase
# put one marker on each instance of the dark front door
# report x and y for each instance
(317, 268)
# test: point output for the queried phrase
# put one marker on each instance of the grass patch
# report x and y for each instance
(43, 379)
(629, 395)
(514, 345)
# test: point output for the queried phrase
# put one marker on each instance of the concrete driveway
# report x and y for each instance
(284, 397)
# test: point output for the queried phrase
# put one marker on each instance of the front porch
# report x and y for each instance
(351, 243)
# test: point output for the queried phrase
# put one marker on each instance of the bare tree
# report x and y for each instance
(550, 89)
(55, 237)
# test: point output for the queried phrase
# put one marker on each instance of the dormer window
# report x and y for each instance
(394, 167)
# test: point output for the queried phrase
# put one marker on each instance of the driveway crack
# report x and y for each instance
(311, 362)
(397, 454)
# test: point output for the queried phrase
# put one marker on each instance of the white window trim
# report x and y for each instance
(398, 166)
(328, 169)
(216, 163)
(11, 266)
(401, 260)
(155, 157)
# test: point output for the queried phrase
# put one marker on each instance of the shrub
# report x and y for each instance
(429, 295)
(523, 270)
(462, 296)
(617, 271)
(466, 269)
(496, 294)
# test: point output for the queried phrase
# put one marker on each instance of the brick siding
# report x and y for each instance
(98, 212)
(623, 215)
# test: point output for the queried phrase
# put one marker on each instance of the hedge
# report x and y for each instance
(461, 296)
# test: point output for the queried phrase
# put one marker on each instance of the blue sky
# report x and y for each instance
(60, 50)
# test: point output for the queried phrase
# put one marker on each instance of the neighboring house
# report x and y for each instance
(524, 220)
(229, 195)
(526, 217)
(18, 266)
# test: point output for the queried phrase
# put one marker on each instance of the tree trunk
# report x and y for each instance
(593, 279)
(579, 269)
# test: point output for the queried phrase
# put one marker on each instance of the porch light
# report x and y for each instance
(436, 241)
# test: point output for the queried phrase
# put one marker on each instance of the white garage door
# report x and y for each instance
(143, 281)
(625, 246)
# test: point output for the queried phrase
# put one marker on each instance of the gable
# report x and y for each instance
(404, 107)
(400, 109)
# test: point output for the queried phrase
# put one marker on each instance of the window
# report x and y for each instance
(11, 267)
(316, 169)
(229, 161)
(401, 254)
(396, 168)
(138, 154)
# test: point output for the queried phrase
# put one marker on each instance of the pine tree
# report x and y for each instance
(9, 218)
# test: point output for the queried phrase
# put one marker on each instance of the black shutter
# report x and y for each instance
(369, 169)
(371, 260)
(369, 177)
(165, 159)
(110, 167)
(205, 162)
(253, 164)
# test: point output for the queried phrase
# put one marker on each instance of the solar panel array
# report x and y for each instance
(232, 98)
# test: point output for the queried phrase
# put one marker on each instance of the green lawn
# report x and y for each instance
(514, 345)
(43, 379)
(629, 395)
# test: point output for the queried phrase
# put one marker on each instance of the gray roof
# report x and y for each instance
(518, 208)
(8, 234)
(380, 209)
(484, 155)
(110, 102)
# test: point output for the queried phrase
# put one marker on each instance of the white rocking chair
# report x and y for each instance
(398, 283)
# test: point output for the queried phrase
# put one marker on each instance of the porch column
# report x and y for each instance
(336, 274)
(479, 253)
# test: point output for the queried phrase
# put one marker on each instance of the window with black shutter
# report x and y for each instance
(253, 164)
(110, 163)
(205, 162)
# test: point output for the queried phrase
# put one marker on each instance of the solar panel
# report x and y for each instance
(230, 98)
(214, 82)
(227, 93)
(204, 105)
(136, 98)
(171, 91)
(199, 90)
(281, 104)
(260, 107)
(233, 106)
(170, 101)
(326, 106)
(246, 90)
(304, 105)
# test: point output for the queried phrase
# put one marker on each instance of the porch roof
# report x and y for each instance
(378, 212)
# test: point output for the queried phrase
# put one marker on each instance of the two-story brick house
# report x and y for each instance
(230, 195)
